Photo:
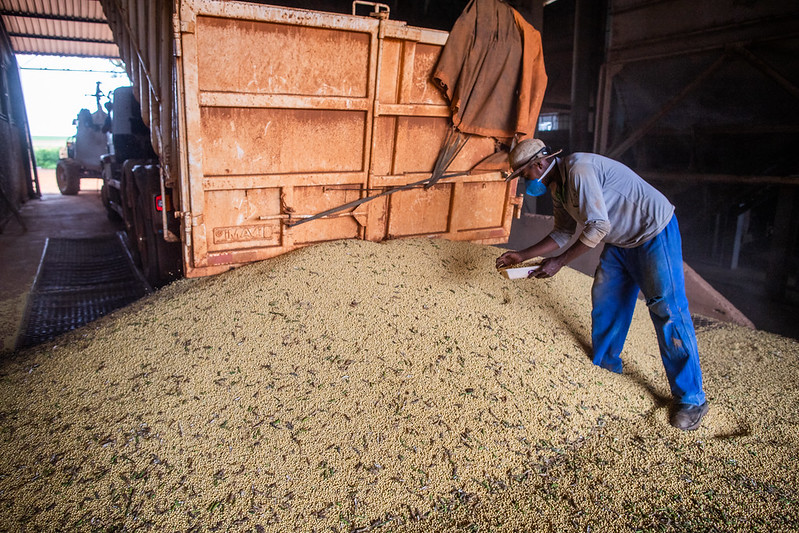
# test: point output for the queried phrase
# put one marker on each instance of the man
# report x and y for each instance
(643, 250)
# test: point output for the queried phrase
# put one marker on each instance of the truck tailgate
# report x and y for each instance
(285, 113)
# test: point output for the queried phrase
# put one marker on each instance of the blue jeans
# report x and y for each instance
(655, 268)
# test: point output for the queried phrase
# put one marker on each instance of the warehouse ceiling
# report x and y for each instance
(79, 27)
(58, 27)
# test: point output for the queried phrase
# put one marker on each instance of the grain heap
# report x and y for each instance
(353, 385)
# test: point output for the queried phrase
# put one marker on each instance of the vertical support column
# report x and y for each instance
(404, 88)
(455, 218)
(373, 93)
(139, 28)
(608, 72)
(192, 192)
(589, 22)
(155, 78)
(741, 221)
(167, 65)
(779, 265)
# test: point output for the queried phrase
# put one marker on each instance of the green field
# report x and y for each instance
(49, 141)
(47, 150)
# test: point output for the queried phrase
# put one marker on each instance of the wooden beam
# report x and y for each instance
(654, 175)
(634, 137)
(768, 70)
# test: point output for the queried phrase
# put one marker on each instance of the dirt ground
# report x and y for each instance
(402, 386)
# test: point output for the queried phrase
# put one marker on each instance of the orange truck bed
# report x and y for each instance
(279, 114)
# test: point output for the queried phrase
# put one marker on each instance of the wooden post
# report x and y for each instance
(589, 20)
(779, 265)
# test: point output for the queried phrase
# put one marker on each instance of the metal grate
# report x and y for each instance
(78, 281)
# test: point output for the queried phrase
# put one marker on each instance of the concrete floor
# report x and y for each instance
(83, 215)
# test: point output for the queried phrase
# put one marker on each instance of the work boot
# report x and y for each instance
(688, 417)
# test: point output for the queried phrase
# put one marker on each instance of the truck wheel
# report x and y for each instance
(112, 215)
(170, 260)
(127, 196)
(66, 176)
(148, 249)
(160, 261)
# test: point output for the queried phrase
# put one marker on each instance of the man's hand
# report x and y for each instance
(549, 267)
(509, 258)
(544, 246)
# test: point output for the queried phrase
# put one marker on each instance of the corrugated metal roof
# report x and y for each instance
(58, 27)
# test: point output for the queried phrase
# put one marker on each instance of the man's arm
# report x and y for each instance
(552, 265)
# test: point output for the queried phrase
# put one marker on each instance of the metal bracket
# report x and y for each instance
(380, 11)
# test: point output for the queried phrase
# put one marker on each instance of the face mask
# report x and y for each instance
(535, 188)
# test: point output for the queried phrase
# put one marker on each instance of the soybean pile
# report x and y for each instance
(399, 386)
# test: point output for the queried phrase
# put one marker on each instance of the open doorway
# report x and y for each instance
(56, 89)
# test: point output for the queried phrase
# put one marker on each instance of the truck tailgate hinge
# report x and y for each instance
(188, 223)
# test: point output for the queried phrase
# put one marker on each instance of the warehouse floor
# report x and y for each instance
(54, 215)
(83, 216)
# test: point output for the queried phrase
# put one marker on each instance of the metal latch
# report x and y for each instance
(380, 11)
(517, 202)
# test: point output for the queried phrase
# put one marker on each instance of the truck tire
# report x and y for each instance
(66, 176)
(109, 194)
(127, 193)
(148, 248)
(112, 215)
(160, 260)
(128, 203)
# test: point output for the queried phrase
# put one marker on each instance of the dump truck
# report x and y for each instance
(131, 191)
(274, 128)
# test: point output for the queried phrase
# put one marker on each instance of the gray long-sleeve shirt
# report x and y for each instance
(610, 201)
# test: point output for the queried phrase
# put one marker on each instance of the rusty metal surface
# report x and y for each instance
(279, 114)
(281, 59)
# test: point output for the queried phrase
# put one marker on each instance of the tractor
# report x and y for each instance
(84, 149)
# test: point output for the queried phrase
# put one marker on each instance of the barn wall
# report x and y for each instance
(685, 84)
(702, 99)
(16, 184)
